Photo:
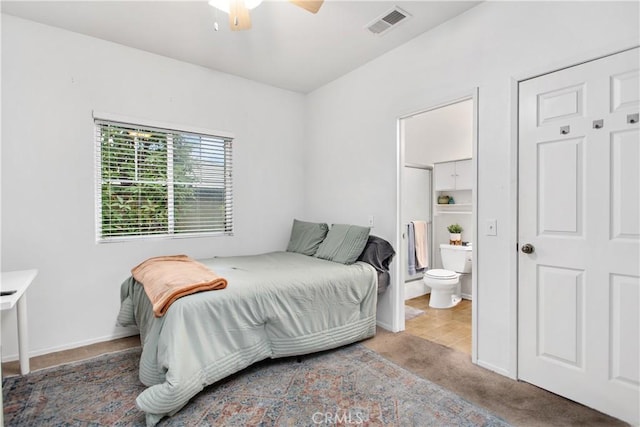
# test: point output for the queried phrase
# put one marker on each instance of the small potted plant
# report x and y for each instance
(455, 238)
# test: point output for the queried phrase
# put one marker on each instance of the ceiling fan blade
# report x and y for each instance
(312, 6)
(239, 18)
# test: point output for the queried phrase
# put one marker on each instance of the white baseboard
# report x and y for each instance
(384, 325)
(124, 332)
(495, 369)
(414, 289)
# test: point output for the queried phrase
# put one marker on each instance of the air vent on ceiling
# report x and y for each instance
(388, 21)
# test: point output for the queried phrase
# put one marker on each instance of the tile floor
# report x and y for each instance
(450, 327)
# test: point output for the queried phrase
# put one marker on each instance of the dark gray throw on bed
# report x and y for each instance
(379, 253)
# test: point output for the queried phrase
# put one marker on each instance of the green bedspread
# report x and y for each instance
(276, 304)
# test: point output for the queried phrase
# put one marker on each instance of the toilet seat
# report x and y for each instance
(438, 273)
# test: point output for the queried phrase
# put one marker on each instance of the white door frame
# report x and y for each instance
(398, 297)
(513, 209)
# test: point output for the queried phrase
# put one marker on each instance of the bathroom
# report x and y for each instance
(437, 192)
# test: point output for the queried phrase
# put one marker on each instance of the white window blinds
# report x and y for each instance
(161, 182)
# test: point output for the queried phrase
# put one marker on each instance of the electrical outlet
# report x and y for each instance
(491, 227)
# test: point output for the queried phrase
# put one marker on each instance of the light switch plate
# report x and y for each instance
(491, 227)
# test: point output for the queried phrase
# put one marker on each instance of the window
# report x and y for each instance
(161, 182)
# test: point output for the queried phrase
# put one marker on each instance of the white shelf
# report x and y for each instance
(447, 212)
(452, 205)
(453, 208)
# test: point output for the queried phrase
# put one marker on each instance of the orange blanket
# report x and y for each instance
(167, 278)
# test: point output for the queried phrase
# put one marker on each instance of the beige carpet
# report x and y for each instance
(517, 402)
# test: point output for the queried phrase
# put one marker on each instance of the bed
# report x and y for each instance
(276, 304)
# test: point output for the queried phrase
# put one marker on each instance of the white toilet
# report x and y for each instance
(444, 283)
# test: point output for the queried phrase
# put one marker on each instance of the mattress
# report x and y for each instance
(275, 305)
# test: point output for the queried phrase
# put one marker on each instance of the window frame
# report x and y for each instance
(167, 129)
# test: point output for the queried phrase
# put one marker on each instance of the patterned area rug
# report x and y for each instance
(348, 386)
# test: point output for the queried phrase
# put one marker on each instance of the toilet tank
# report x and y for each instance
(456, 258)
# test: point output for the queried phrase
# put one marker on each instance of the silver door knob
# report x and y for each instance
(528, 248)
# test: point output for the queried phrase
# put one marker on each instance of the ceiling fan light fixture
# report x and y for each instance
(225, 5)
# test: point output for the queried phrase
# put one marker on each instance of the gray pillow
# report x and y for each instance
(306, 237)
(344, 243)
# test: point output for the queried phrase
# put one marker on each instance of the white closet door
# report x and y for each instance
(579, 199)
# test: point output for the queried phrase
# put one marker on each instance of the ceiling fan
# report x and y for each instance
(238, 10)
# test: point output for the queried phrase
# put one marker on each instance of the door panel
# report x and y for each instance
(561, 104)
(625, 92)
(625, 175)
(624, 330)
(559, 186)
(560, 314)
(579, 207)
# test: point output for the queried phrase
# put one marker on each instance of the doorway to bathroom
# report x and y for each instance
(437, 193)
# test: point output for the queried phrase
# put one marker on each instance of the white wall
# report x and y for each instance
(352, 144)
(51, 81)
(440, 135)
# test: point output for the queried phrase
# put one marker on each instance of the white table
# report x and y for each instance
(18, 281)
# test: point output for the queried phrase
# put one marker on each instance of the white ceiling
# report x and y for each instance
(287, 47)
